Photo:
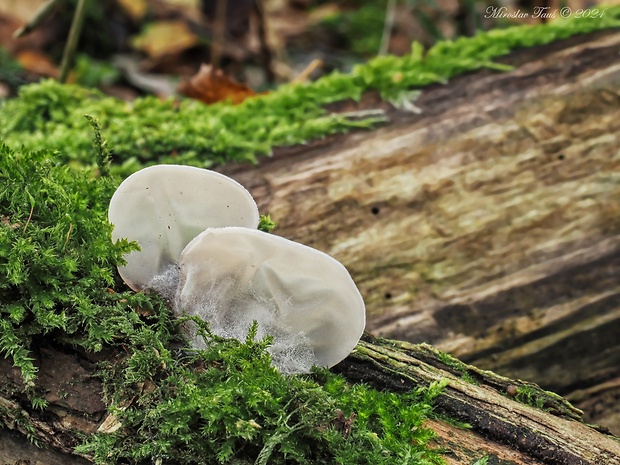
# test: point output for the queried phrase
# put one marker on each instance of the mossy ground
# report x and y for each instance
(49, 115)
(226, 404)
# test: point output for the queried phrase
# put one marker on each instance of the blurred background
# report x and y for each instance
(134, 47)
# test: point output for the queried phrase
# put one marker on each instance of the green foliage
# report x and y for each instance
(56, 258)
(228, 404)
(266, 223)
(360, 28)
(458, 366)
(148, 130)
(531, 396)
(92, 73)
(17, 419)
(103, 154)
(11, 72)
(482, 461)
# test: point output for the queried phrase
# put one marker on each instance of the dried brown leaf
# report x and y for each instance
(165, 38)
(211, 85)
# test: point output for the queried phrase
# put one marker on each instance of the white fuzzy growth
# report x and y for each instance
(231, 309)
(166, 283)
(231, 306)
(301, 297)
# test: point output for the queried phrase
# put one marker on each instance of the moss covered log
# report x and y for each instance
(487, 224)
(95, 372)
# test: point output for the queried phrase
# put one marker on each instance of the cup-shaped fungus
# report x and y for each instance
(303, 298)
(164, 207)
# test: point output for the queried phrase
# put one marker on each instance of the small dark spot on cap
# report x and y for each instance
(388, 295)
(375, 210)
(561, 156)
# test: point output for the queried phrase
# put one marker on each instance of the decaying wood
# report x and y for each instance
(502, 428)
(488, 224)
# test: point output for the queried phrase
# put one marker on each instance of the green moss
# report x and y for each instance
(481, 461)
(49, 115)
(360, 28)
(532, 395)
(466, 371)
(11, 71)
(266, 223)
(225, 404)
(56, 257)
(16, 419)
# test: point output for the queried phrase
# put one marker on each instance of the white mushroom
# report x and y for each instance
(302, 297)
(164, 207)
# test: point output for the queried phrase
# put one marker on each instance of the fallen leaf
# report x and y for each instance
(136, 9)
(165, 38)
(211, 85)
(35, 62)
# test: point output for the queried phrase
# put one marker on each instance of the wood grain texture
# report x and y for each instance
(506, 429)
(489, 224)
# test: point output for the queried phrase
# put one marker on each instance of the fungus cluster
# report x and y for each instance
(200, 249)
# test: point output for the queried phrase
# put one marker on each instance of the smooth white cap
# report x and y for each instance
(232, 276)
(164, 207)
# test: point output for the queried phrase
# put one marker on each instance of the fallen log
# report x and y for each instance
(487, 223)
(507, 421)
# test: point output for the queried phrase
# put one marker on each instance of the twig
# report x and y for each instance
(74, 35)
(305, 74)
(390, 15)
(37, 18)
(68, 234)
(29, 218)
(219, 30)
(266, 55)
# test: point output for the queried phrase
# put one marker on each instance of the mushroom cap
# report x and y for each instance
(163, 207)
(297, 294)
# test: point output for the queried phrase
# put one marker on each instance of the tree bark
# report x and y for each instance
(503, 429)
(487, 225)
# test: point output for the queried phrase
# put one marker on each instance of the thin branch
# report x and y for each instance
(39, 16)
(266, 54)
(305, 74)
(219, 31)
(68, 234)
(390, 16)
(74, 35)
(29, 218)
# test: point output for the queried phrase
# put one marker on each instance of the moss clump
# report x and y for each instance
(50, 115)
(225, 404)
(56, 258)
(228, 404)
